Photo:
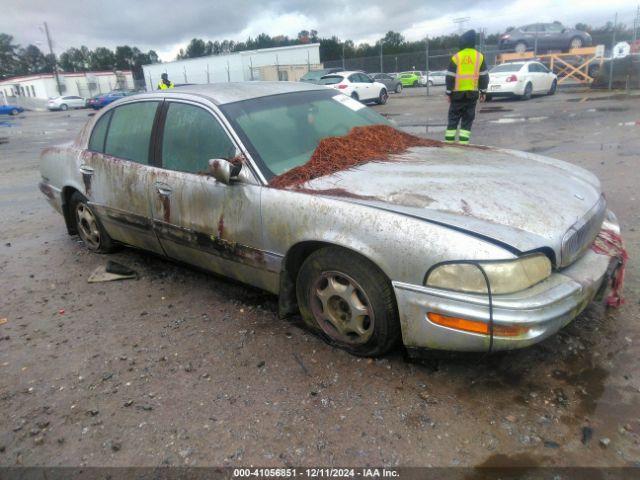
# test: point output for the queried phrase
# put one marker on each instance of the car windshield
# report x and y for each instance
(282, 131)
(330, 79)
(507, 67)
(313, 75)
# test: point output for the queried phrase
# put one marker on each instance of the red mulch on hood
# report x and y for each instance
(361, 145)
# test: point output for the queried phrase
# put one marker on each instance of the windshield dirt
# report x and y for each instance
(361, 145)
(283, 131)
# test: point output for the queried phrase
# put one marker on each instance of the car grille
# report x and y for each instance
(581, 235)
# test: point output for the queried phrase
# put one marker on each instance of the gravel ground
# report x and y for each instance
(185, 368)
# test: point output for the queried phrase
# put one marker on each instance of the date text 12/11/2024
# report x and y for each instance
(315, 473)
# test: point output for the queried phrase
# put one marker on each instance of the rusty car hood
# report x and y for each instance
(520, 200)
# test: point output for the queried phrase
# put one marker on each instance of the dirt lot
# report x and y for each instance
(179, 367)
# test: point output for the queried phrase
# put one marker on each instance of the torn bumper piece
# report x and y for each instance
(542, 309)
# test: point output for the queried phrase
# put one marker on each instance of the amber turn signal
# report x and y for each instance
(476, 326)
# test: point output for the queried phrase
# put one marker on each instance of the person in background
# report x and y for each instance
(164, 83)
(466, 83)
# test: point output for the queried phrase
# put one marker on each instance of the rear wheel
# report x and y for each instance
(355, 96)
(398, 88)
(64, 107)
(88, 227)
(349, 301)
(383, 97)
(528, 89)
(415, 83)
(14, 111)
(554, 87)
(520, 47)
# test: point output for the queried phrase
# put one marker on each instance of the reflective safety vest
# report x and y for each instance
(468, 63)
(163, 86)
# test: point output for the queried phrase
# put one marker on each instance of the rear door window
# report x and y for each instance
(99, 133)
(130, 131)
(192, 136)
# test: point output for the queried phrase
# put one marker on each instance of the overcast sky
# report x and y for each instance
(165, 26)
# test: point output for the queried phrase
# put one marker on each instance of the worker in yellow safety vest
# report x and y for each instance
(466, 83)
(165, 82)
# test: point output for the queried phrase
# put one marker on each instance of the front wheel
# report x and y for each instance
(430, 83)
(91, 232)
(349, 301)
(398, 88)
(383, 97)
(554, 87)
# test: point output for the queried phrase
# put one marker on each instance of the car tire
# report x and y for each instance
(488, 97)
(89, 228)
(14, 112)
(528, 89)
(554, 87)
(64, 107)
(430, 83)
(355, 96)
(383, 97)
(349, 283)
(415, 84)
(398, 88)
(575, 42)
(520, 47)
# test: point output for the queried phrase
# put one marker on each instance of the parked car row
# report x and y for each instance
(10, 109)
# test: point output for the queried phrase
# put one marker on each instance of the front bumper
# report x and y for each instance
(545, 308)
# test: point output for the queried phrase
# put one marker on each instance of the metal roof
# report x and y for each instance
(221, 93)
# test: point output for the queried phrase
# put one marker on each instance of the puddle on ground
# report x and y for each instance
(495, 109)
(4, 140)
(608, 109)
(518, 119)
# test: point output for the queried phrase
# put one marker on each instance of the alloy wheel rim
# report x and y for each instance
(87, 226)
(342, 308)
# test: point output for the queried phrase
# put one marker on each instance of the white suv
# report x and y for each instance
(357, 85)
(521, 79)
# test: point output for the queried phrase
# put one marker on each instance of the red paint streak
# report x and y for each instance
(166, 207)
(361, 145)
(221, 226)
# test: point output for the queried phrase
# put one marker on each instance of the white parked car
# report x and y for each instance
(437, 77)
(66, 102)
(521, 79)
(357, 85)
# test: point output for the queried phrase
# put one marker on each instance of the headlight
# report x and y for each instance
(506, 276)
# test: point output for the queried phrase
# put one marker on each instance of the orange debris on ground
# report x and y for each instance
(361, 145)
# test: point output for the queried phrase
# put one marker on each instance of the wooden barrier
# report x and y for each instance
(573, 65)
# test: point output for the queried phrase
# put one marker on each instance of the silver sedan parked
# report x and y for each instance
(442, 247)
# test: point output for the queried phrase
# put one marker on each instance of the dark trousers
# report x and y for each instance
(462, 110)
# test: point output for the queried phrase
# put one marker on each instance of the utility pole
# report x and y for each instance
(55, 63)
(461, 21)
(343, 67)
(636, 24)
(613, 44)
(381, 68)
(426, 63)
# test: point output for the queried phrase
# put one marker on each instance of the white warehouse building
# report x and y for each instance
(281, 63)
(84, 84)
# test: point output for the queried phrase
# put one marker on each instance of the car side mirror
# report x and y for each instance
(223, 170)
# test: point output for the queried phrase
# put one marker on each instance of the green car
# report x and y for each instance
(411, 79)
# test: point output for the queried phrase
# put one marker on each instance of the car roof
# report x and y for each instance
(222, 93)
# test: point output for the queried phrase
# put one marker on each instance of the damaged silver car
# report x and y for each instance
(440, 247)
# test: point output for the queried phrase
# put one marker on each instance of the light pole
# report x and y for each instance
(381, 68)
(55, 62)
(426, 64)
(343, 67)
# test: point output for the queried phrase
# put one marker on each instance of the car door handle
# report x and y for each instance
(86, 170)
(163, 189)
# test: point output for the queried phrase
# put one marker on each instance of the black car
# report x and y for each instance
(314, 76)
(544, 37)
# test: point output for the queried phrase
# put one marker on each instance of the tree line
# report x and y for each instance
(16, 60)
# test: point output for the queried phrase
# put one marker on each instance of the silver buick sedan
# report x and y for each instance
(440, 247)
